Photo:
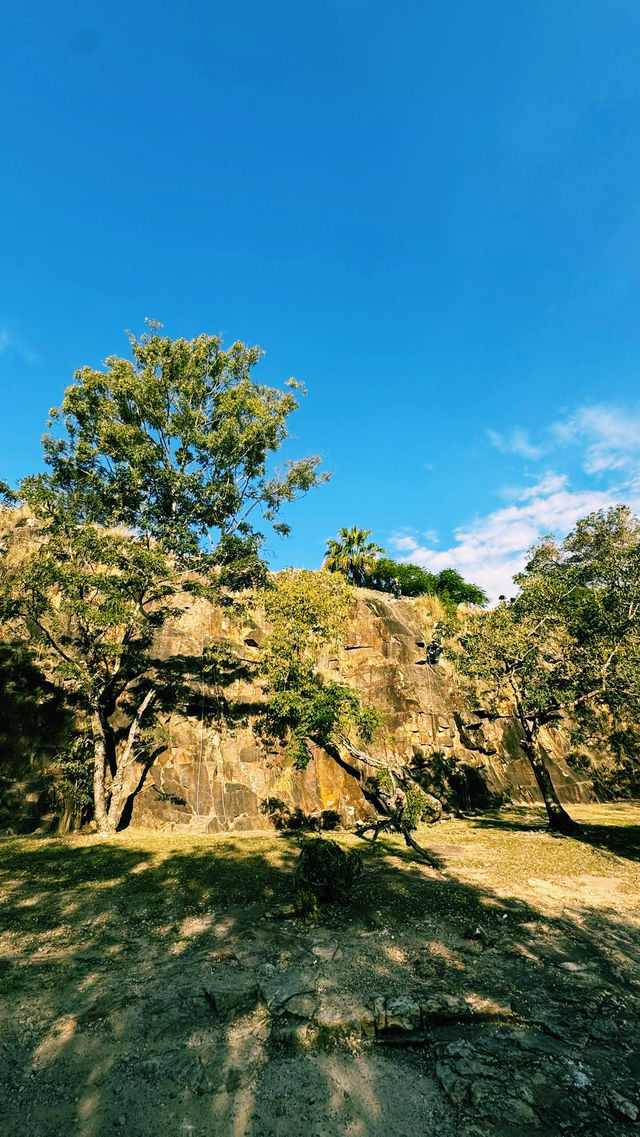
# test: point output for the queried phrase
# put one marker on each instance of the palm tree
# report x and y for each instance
(352, 554)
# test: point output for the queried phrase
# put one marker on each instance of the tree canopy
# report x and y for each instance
(406, 579)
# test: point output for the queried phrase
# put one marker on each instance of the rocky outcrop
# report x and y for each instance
(216, 769)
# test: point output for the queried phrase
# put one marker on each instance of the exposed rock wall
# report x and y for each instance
(216, 770)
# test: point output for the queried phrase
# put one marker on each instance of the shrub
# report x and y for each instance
(417, 808)
(73, 777)
(323, 874)
(330, 819)
(301, 820)
(382, 781)
(277, 811)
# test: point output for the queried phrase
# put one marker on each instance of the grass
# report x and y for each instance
(142, 879)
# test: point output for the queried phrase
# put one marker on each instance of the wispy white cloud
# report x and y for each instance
(515, 441)
(489, 550)
(12, 341)
(493, 548)
(547, 484)
(403, 543)
(406, 540)
(430, 535)
(611, 437)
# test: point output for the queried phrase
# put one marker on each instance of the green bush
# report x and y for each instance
(382, 781)
(386, 575)
(418, 807)
(298, 819)
(73, 776)
(324, 873)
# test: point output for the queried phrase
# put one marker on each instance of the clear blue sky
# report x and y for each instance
(428, 212)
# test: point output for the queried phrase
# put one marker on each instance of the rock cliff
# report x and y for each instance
(216, 770)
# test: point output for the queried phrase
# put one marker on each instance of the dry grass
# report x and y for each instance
(54, 884)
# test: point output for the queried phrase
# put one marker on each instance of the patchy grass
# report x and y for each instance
(59, 885)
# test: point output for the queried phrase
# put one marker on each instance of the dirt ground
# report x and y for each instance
(157, 984)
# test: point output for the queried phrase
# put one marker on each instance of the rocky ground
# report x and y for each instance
(158, 984)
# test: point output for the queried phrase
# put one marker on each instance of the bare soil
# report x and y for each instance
(157, 984)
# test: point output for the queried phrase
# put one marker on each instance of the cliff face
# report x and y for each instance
(216, 769)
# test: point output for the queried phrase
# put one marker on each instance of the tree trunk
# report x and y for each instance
(120, 795)
(99, 767)
(117, 800)
(559, 820)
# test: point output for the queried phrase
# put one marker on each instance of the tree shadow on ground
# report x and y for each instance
(516, 819)
(114, 948)
(622, 840)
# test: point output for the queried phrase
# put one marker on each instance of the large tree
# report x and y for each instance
(151, 493)
(566, 650)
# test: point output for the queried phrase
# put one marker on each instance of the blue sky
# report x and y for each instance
(428, 213)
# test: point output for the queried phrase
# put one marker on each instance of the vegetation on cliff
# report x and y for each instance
(352, 554)
(361, 562)
(307, 613)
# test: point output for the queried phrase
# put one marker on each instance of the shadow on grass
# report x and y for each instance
(106, 1027)
(517, 819)
(621, 839)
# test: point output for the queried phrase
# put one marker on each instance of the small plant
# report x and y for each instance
(323, 874)
(306, 903)
(301, 820)
(330, 819)
(418, 807)
(382, 780)
(277, 811)
(73, 777)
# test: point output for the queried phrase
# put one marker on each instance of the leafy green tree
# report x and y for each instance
(386, 575)
(406, 579)
(601, 559)
(566, 649)
(149, 497)
(450, 585)
(307, 613)
(352, 554)
(517, 663)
